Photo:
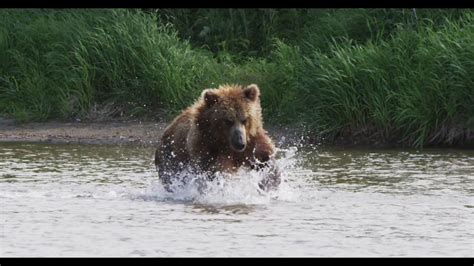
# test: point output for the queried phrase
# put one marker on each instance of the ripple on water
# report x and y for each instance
(58, 199)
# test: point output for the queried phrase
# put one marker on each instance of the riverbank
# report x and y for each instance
(147, 133)
(370, 80)
(131, 132)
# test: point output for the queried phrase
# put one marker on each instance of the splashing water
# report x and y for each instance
(226, 189)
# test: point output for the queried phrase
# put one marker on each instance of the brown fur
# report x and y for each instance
(200, 136)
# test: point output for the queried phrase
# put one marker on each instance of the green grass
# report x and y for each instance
(56, 64)
(415, 87)
(384, 75)
(250, 32)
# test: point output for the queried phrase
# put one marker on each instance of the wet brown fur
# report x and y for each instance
(199, 136)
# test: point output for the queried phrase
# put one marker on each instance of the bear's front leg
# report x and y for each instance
(272, 178)
(263, 154)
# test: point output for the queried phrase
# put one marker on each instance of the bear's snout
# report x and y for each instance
(238, 142)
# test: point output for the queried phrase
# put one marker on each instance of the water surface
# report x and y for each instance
(92, 200)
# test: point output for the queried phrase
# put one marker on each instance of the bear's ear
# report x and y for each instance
(210, 97)
(252, 92)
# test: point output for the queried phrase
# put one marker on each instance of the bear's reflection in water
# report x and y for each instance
(224, 209)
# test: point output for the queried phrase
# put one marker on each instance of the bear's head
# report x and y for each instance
(231, 115)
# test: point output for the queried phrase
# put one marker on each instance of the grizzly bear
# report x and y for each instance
(221, 132)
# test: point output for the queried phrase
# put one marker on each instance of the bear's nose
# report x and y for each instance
(239, 146)
(238, 142)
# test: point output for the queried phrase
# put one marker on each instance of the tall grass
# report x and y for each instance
(251, 32)
(415, 88)
(382, 75)
(56, 64)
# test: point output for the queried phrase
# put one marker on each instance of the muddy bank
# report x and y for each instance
(128, 132)
(142, 133)
(148, 133)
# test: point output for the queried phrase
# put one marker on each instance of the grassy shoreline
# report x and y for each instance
(374, 82)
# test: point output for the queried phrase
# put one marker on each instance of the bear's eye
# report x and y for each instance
(244, 121)
(229, 122)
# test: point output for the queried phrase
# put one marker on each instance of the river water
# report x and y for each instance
(104, 200)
